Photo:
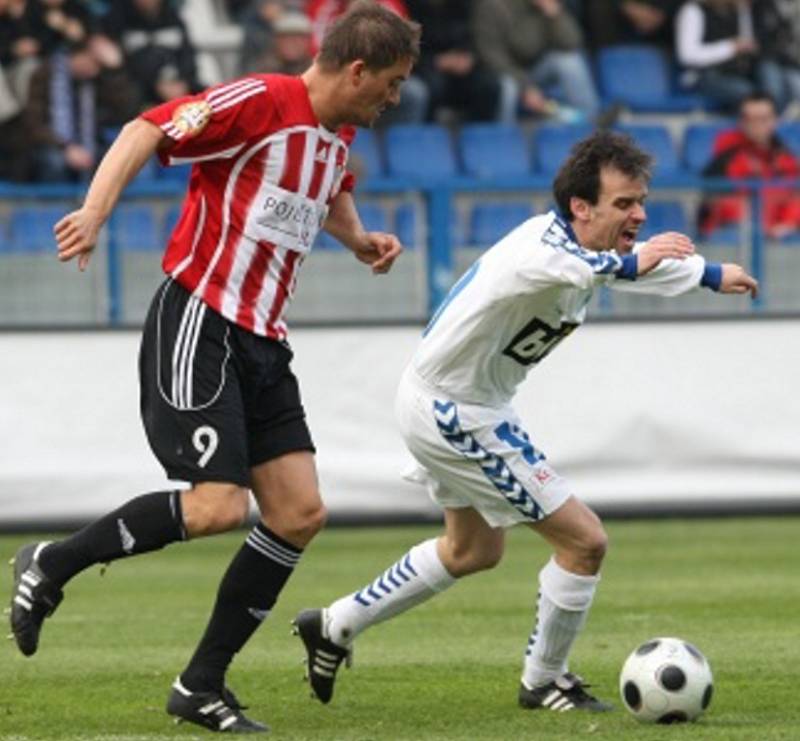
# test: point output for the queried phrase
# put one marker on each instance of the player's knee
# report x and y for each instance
(214, 508)
(492, 556)
(593, 545)
(300, 526)
(461, 560)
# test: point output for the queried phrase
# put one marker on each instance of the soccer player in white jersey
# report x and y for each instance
(220, 404)
(507, 312)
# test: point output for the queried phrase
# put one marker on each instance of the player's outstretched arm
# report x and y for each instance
(735, 279)
(377, 249)
(76, 234)
(669, 245)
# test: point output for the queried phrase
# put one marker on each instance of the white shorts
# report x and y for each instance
(476, 456)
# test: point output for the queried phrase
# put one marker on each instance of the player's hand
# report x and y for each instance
(669, 245)
(379, 250)
(76, 236)
(736, 280)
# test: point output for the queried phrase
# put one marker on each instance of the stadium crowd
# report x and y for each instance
(73, 70)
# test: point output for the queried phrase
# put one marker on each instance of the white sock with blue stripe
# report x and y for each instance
(564, 602)
(416, 577)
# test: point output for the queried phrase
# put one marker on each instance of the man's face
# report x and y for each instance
(614, 221)
(83, 65)
(372, 92)
(758, 121)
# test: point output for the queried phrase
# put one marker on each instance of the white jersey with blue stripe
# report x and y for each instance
(522, 297)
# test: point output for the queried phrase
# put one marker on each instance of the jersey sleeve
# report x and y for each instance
(560, 260)
(214, 124)
(668, 278)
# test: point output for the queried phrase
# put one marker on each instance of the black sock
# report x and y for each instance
(248, 591)
(143, 524)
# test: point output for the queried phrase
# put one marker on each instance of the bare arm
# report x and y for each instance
(76, 234)
(377, 249)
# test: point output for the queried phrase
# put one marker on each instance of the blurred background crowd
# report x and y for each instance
(70, 69)
(73, 71)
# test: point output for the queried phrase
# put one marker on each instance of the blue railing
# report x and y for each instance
(438, 195)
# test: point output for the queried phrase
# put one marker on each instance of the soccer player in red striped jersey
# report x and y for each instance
(219, 402)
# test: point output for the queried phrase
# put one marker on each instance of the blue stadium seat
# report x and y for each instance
(366, 151)
(698, 143)
(175, 173)
(170, 220)
(325, 241)
(664, 216)
(420, 150)
(552, 144)
(136, 228)
(491, 221)
(640, 77)
(405, 226)
(657, 141)
(373, 217)
(493, 150)
(5, 243)
(31, 228)
(149, 171)
(724, 236)
(790, 133)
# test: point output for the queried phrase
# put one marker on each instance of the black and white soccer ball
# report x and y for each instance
(666, 680)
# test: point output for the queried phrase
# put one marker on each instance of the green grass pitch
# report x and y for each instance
(447, 670)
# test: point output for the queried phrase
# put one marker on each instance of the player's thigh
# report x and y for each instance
(469, 543)
(275, 417)
(191, 401)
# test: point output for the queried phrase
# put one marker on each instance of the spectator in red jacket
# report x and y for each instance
(754, 150)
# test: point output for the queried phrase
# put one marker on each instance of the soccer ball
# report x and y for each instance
(666, 680)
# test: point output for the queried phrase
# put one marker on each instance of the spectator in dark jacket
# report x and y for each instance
(536, 46)
(715, 42)
(159, 56)
(54, 23)
(754, 150)
(612, 22)
(455, 76)
(778, 33)
(72, 97)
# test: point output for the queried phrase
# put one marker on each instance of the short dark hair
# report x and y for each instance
(579, 176)
(757, 97)
(370, 32)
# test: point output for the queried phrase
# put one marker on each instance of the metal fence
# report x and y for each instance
(434, 219)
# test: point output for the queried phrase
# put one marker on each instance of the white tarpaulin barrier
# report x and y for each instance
(685, 414)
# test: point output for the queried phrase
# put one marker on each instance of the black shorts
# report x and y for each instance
(216, 399)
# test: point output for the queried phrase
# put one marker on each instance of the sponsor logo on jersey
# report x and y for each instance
(191, 118)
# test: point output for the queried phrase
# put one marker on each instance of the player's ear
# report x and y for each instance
(356, 71)
(580, 208)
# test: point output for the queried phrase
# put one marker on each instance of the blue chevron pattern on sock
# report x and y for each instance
(535, 634)
(395, 576)
(493, 466)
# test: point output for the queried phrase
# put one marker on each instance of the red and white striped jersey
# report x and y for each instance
(264, 172)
